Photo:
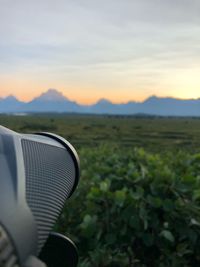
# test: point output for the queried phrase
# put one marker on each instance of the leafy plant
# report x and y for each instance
(135, 208)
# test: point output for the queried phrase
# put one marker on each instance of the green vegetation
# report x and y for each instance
(136, 209)
(138, 201)
(153, 134)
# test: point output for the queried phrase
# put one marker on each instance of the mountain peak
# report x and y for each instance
(152, 98)
(52, 95)
(103, 101)
(11, 98)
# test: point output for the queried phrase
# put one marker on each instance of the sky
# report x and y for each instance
(121, 50)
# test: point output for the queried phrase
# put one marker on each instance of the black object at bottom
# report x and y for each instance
(59, 251)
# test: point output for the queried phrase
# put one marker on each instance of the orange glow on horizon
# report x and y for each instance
(184, 85)
(82, 95)
(86, 99)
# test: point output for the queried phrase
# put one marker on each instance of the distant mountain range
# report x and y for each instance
(54, 101)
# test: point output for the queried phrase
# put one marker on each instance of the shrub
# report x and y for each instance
(134, 208)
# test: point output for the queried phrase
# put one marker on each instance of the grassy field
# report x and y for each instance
(154, 134)
(138, 200)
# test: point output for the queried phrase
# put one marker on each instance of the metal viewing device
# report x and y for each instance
(37, 174)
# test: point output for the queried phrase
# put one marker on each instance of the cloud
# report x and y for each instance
(135, 40)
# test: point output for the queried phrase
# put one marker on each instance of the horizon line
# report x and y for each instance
(98, 100)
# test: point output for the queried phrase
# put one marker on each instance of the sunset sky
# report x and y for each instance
(88, 49)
